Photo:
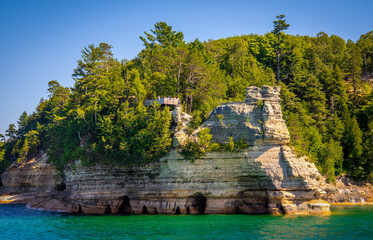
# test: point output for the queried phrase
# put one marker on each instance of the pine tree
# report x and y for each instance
(353, 149)
(11, 132)
(368, 152)
(279, 27)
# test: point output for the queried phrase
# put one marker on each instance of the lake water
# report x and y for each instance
(346, 222)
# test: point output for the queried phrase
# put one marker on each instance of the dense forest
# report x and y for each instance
(326, 91)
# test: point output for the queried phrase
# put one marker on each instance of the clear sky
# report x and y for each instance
(41, 40)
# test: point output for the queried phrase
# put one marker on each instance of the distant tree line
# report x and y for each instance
(326, 91)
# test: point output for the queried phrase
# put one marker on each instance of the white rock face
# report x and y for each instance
(261, 179)
(182, 119)
(258, 120)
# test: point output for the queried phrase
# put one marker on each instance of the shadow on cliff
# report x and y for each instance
(289, 180)
(253, 186)
(267, 171)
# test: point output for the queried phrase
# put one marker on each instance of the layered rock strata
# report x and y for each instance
(256, 121)
(263, 179)
(266, 177)
(36, 175)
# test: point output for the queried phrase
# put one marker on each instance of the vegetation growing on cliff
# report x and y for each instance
(326, 91)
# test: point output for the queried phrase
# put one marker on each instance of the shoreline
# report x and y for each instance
(349, 203)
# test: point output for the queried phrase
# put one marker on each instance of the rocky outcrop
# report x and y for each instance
(266, 177)
(350, 192)
(35, 175)
(182, 121)
(256, 121)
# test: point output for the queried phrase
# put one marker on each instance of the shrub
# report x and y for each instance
(220, 118)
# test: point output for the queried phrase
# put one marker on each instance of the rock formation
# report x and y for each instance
(267, 177)
(257, 121)
(36, 175)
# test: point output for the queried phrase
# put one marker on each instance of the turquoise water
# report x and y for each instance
(352, 222)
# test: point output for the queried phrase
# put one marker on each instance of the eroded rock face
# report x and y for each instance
(350, 192)
(256, 121)
(36, 175)
(182, 119)
(267, 177)
(257, 180)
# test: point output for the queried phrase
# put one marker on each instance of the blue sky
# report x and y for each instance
(41, 40)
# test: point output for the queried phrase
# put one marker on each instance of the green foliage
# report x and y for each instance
(3, 162)
(230, 146)
(260, 104)
(241, 144)
(192, 151)
(163, 35)
(11, 132)
(331, 159)
(195, 123)
(365, 45)
(353, 149)
(280, 25)
(30, 146)
(220, 118)
(204, 137)
(368, 153)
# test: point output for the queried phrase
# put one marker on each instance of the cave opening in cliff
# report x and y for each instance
(108, 209)
(281, 209)
(144, 210)
(125, 207)
(197, 203)
(80, 209)
(177, 211)
(236, 210)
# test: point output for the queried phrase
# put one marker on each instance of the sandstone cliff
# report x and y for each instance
(267, 177)
(35, 175)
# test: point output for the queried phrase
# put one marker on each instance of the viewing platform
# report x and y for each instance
(164, 101)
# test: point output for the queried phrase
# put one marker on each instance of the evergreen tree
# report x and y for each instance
(11, 132)
(22, 124)
(279, 27)
(353, 149)
(162, 35)
(365, 45)
(368, 152)
(354, 70)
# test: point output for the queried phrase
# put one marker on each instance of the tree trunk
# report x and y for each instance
(187, 90)
(191, 104)
(332, 106)
(95, 110)
(178, 80)
(186, 103)
(278, 58)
